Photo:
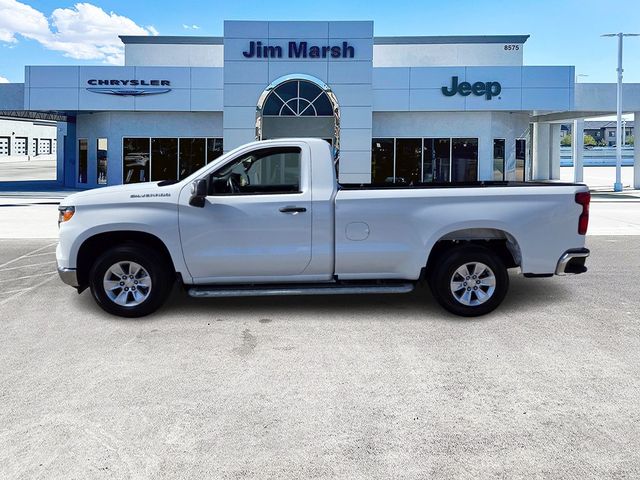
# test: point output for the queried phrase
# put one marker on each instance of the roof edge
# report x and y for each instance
(171, 39)
(412, 40)
(450, 39)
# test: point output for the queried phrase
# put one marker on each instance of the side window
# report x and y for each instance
(270, 170)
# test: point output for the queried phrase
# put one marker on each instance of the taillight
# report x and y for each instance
(583, 198)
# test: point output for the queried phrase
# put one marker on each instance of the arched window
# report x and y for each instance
(297, 98)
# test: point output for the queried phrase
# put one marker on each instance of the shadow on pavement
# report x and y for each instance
(524, 293)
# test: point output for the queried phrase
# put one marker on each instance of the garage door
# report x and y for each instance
(44, 146)
(20, 146)
(4, 146)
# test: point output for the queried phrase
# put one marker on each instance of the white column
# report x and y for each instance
(541, 134)
(577, 147)
(554, 151)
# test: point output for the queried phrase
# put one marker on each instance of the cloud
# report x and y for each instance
(3, 80)
(190, 27)
(84, 32)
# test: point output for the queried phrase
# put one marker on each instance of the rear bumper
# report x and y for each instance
(572, 262)
(68, 276)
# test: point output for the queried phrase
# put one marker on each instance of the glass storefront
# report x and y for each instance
(417, 160)
(408, 160)
(436, 160)
(164, 152)
(192, 156)
(101, 159)
(521, 156)
(82, 160)
(498, 158)
(464, 159)
(382, 155)
(135, 158)
(154, 159)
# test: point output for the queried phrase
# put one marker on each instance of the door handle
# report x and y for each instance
(293, 210)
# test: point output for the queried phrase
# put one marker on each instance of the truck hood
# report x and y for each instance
(133, 192)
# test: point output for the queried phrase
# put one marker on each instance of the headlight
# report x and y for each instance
(65, 214)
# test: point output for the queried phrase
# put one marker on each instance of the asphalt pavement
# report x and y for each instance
(356, 387)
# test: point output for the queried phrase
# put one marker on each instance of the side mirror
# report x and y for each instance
(198, 193)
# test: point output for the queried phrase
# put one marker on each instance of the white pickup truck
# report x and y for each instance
(269, 218)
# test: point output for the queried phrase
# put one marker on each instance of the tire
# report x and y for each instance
(460, 270)
(138, 269)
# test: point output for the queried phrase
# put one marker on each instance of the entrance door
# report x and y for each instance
(256, 222)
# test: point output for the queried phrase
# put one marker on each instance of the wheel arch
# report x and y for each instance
(91, 248)
(498, 240)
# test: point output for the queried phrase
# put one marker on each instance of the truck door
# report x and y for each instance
(256, 221)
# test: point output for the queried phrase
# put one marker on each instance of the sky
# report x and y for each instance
(45, 32)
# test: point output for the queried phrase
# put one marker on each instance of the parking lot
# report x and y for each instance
(322, 387)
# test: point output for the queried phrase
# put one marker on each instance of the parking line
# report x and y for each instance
(28, 254)
(18, 293)
(28, 276)
(41, 254)
(25, 266)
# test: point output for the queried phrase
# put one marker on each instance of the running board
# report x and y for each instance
(209, 291)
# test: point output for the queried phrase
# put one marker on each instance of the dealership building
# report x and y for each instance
(395, 109)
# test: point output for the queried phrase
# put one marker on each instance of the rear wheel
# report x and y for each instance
(469, 281)
(130, 281)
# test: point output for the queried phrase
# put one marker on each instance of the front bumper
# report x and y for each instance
(68, 276)
(572, 262)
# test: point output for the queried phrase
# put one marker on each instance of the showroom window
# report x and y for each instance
(164, 152)
(436, 160)
(101, 159)
(464, 159)
(521, 155)
(192, 156)
(82, 160)
(382, 155)
(416, 160)
(160, 158)
(135, 158)
(498, 158)
(408, 160)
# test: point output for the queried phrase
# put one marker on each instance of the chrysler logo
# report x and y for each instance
(129, 88)
(129, 92)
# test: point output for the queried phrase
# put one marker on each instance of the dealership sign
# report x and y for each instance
(299, 50)
(128, 88)
(488, 89)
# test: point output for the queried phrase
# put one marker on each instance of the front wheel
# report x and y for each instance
(130, 281)
(469, 281)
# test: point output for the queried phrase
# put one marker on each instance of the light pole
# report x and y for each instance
(617, 187)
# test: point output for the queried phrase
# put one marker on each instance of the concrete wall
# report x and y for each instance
(522, 88)
(116, 125)
(427, 55)
(160, 55)
(64, 88)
